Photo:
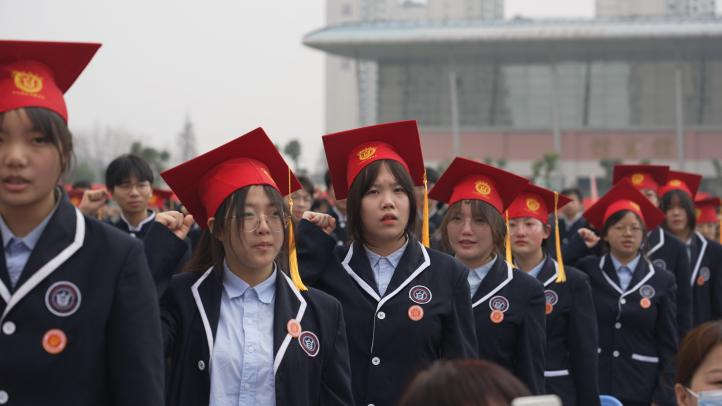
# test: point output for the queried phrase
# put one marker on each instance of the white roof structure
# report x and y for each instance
(525, 40)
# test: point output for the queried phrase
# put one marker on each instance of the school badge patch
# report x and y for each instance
(659, 263)
(704, 275)
(647, 291)
(62, 298)
(420, 294)
(309, 343)
(498, 305)
(551, 300)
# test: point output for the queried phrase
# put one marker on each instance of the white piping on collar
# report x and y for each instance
(556, 274)
(362, 283)
(633, 289)
(46, 269)
(424, 265)
(143, 222)
(659, 245)
(202, 311)
(699, 258)
(509, 277)
(287, 340)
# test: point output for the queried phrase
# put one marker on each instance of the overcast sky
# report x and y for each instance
(230, 65)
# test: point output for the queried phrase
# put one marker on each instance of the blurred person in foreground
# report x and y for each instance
(699, 366)
(463, 382)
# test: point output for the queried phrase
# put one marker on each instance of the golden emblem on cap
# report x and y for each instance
(28, 82)
(482, 188)
(637, 178)
(366, 153)
(635, 206)
(532, 204)
(675, 182)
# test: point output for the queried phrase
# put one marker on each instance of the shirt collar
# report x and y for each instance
(483, 270)
(538, 268)
(151, 217)
(632, 265)
(237, 287)
(394, 257)
(33, 236)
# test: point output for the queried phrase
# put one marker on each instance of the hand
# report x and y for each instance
(324, 221)
(176, 222)
(589, 237)
(92, 201)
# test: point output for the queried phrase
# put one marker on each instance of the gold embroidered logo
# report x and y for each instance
(675, 183)
(637, 178)
(28, 82)
(366, 153)
(532, 204)
(482, 188)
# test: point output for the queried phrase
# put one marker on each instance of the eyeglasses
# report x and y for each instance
(140, 186)
(623, 229)
(276, 222)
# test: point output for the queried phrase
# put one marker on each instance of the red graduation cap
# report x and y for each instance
(684, 181)
(642, 176)
(204, 182)
(465, 179)
(348, 152)
(623, 196)
(38, 73)
(159, 198)
(535, 202)
(706, 208)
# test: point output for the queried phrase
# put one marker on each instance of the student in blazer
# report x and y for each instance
(237, 328)
(405, 305)
(79, 318)
(508, 304)
(635, 302)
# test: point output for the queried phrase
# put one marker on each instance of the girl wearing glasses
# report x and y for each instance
(635, 301)
(238, 329)
(405, 305)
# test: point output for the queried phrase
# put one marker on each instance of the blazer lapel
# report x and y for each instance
(206, 293)
(289, 305)
(499, 276)
(548, 272)
(356, 263)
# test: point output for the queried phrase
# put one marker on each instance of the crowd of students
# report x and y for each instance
(256, 292)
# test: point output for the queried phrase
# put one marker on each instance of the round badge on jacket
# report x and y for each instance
(63, 298)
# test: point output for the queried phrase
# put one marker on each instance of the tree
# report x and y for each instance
(187, 141)
(156, 158)
(293, 150)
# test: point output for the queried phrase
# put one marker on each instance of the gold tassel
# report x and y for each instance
(292, 258)
(425, 220)
(562, 277)
(507, 242)
(719, 231)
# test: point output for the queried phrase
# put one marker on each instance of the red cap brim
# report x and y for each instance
(642, 176)
(536, 202)
(597, 214)
(684, 181)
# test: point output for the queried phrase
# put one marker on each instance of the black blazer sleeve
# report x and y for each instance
(134, 335)
(165, 253)
(529, 363)
(716, 281)
(314, 249)
(459, 334)
(171, 320)
(683, 272)
(666, 332)
(583, 342)
(576, 249)
(336, 379)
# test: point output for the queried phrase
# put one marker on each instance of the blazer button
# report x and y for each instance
(599, 350)
(4, 397)
(201, 365)
(622, 300)
(617, 325)
(375, 360)
(615, 354)
(381, 315)
(8, 328)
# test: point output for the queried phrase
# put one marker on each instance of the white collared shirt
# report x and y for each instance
(477, 275)
(625, 272)
(384, 267)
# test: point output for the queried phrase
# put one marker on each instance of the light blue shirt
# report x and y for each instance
(477, 275)
(242, 360)
(538, 268)
(625, 272)
(18, 250)
(384, 267)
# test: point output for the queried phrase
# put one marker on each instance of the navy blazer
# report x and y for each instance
(706, 279)
(572, 340)
(90, 283)
(637, 331)
(515, 342)
(388, 341)
(190, 311)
